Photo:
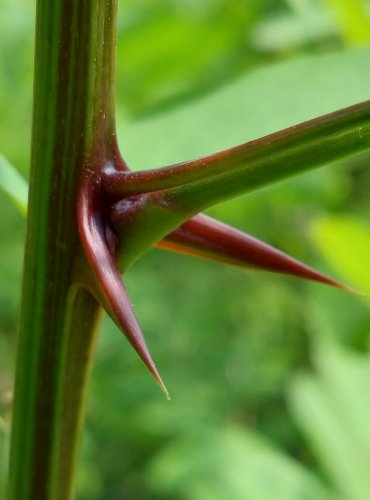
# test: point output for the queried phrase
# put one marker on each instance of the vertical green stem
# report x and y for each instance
(73, 130)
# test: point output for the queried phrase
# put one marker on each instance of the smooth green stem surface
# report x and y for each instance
(275, 157)
(259, 162)
(73, 130)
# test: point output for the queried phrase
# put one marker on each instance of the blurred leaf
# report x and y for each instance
(259, 103)
(353, 20)
(305, 24)
(174, 51)
(171, 49)
(232, 463)
(13, 184)
(345, 244)
(333, 410)
(4, 449)
(16, 56)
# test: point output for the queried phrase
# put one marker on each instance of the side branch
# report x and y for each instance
(254, 164)
(148, 205)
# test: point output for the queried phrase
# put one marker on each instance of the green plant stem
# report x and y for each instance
(73, 132)
(257, 163)
(176, 193)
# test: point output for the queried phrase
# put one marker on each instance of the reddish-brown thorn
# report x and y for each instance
(208, 238)
(109, 287)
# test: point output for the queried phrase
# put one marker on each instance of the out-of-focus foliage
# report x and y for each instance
(16, 59)
(353, 20)
(345, 243)
(229, 344)
(268, 99)
(333, 409)
(4, 429)
(13, 184)
(230, 462)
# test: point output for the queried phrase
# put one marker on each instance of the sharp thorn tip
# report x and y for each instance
(353, 291)
(164, 388)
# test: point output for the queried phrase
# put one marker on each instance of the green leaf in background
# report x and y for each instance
(167, 52)
(306, 22)
(232, 463)
(353, 20)
(345, 243)
(13, 184)
(332, 408)
(4, 450)
(260, 102)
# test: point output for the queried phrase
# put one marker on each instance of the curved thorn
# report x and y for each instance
(204, 237)
(109, 287)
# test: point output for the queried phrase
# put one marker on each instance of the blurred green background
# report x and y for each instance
(269, 376)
